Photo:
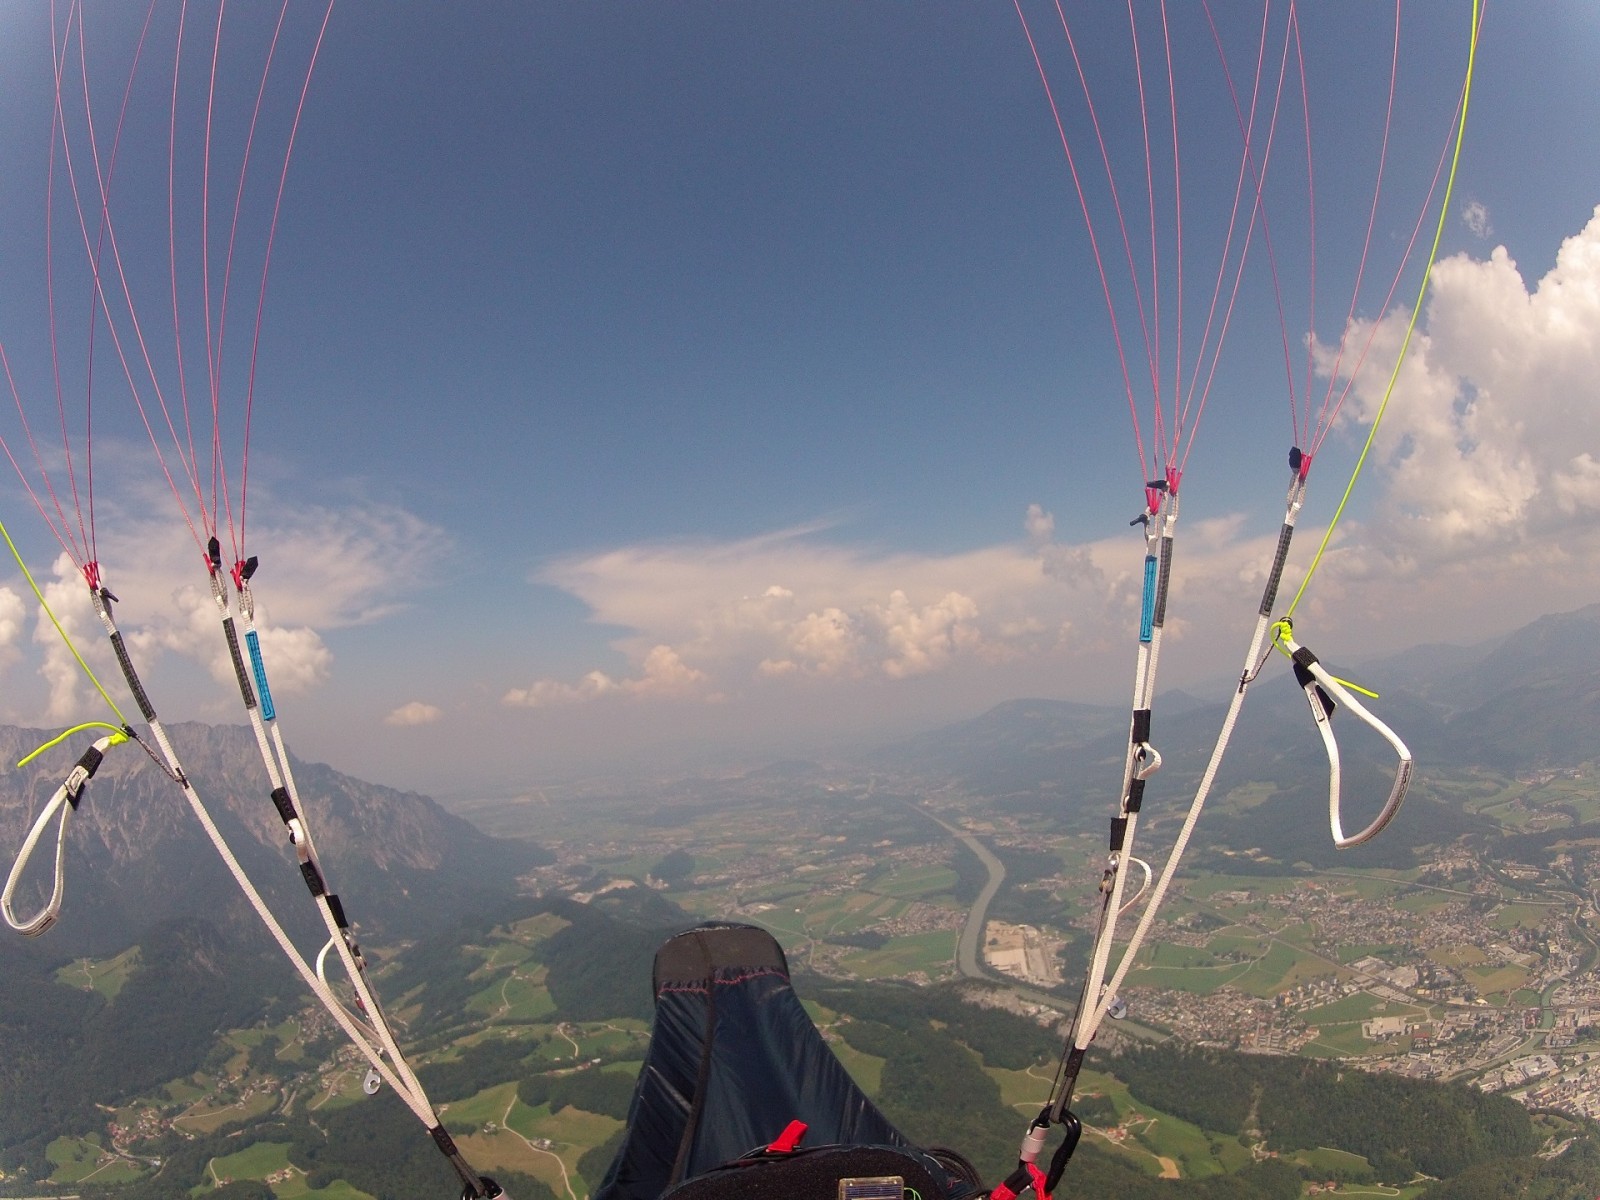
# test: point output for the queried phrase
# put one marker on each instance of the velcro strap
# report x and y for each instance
(1135, 795)
(337, 910)
(1119, 832)
(1141, 725)
(313, 878)
(284, 804)
(90, 761)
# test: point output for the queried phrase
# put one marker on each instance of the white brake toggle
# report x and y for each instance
(64, 801)
(1314, 680)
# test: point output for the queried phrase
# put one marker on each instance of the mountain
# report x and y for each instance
(136, 856)
(1523, 703)
(1015, 746)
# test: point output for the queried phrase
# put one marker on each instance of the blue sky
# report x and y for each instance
(642, 381)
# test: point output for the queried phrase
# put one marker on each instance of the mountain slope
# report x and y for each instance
(136, 855)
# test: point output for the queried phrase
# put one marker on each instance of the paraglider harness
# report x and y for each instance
(736, 1062)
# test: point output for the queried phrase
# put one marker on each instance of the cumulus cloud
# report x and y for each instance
(323, 568)
(414, 713)
(67, 687)
(13, 616)
(662, 673)
(1490, 435)
(1477, 511)
(1487, 451)
(793, 605)
(1475, 216)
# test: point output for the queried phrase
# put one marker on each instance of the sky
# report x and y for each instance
(644, 385)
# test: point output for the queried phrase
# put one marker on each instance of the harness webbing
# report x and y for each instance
(399, 1076)
(286, 798)
(1140, 762)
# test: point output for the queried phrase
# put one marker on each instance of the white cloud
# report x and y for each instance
(414, 713)
(323, 568)
(793, 606)
(662, 673)
(1475, 216)
(68, 687)
(1487, 456)
(13, 615)
(1480, 509)
(1489, 438)
(923, 639)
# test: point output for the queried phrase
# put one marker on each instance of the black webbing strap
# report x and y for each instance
(1136, 795)
(337, 910)
(282, 801)
(89, 761)
(1160, 618)
(146, 709)
(1269, 595)
(1141, 726)
(243, 676)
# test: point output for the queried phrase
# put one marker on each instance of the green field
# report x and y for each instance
(208, 1118)
(296, 1188)
(1328, 1162)
(519, 996)
(865, 1069)
(487, 1106)
(916, 882)
(931, 953)
(1022, 1090)
(105, 976)
(256, 1161)
(1527, 916)
(1356, 1007)
(1496, 980)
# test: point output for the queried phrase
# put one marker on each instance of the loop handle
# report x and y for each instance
(1324, 693)
(65, 801)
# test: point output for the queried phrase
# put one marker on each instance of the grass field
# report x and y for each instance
(1357, 1007)
(1527, 916)
(1422, 903)
(488, 1105)
(865, 1069)
(1343, 1041)
(1497, 979)
(1457, 956)
(207, 1118)
(183, 1091)
(296, 1188)
(256, 1161)
(517, 996)
(916, 882)
(105, 976)
(932, 953)
(1281, 967)
(1200, 981)
(1328, 1162)
(1021, 1090)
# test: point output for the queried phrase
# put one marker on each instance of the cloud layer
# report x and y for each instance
(1483, 498)
(327, 569)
